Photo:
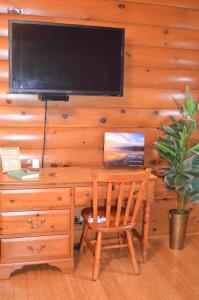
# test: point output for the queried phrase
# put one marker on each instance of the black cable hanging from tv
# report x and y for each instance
(44, 135)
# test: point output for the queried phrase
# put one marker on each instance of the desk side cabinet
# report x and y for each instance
(36, 227)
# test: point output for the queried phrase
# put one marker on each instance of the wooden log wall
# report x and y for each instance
(161, 55)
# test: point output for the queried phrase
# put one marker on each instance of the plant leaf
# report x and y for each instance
(168, 142)
(165, 149)
(197, 106)
(194, 149)
(190, 105)
(187, 88)
(194, 186)
(180, 124)
(170, 131)
(191, 165)
(181, 180)
(169, 180)
(183, 190)
(194, 199)
(183, 135)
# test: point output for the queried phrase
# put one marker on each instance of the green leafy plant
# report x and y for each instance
(182, 155)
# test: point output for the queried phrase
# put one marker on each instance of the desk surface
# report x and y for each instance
(58, 176)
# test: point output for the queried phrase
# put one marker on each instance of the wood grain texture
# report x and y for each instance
(33, 282)
(110, 11)
(119, 219)
(35, 247)
(30, 236)
(34, 199)
(3, 71)
(115, 272)
(144, 77)
(79, 138)
(138, 56)
(29, 223)
(84, 157)
(140, 35)
(78, 117)
(161, 56)
(3, 48)
(176, 3)
(160, 78)
(133, 98)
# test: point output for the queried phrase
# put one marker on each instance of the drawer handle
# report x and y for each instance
(36, 250)
(59, 198)
(31, 222)
(12, 200)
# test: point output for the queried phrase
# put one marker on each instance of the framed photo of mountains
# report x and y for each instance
(123, 149)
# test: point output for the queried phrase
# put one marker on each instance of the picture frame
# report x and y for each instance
(123, 149)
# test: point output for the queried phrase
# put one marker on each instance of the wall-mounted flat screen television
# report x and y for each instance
(70, 59)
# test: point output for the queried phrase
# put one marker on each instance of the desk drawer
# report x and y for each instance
(35, 247)
(83, 195)
(35, 222)
(29, 199)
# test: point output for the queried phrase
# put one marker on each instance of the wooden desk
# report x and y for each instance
(37, 218)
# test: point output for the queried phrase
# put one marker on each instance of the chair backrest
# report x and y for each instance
(132, 185)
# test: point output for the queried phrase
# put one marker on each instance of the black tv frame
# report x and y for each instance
(43, 93)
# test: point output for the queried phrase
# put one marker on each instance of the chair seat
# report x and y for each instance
(87, 214)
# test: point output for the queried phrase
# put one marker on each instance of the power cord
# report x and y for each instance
(44, 136)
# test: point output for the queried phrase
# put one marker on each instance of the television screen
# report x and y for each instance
(70, 59)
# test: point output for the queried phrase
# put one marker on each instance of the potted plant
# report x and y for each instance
(182, 171)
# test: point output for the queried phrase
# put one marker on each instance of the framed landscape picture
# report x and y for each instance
(123, 149)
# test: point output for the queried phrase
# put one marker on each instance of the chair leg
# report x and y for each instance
(82, 242)
(120, 238)
(97, 256)
(132, 253)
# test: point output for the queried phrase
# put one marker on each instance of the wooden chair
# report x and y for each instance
(114, 218)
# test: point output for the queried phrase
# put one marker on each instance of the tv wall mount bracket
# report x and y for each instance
(53, 97)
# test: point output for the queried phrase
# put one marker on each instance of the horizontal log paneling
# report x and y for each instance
(112, 11)
(143, 77)
(133, 97)
(84, 117)
(4, 71)
(140, 35)
(18, 99)
(165, 37)
(137, 56)
(161, 78)
(4, 48)
(28, 138)
(21, 117)
(66, 157)
(176, 3)
(80, 138)
(82, 157)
